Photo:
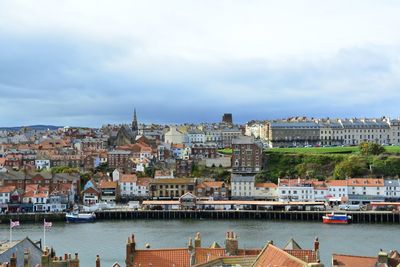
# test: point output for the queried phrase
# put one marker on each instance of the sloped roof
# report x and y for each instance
(353, 261)
(292, 244)
(274, 256)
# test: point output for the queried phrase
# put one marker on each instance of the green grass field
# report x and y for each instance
(328, 150)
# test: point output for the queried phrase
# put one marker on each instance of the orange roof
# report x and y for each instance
(306, 255)
(213, 184)
(353, 261)
(366, 182)
(206, 254)
(336, 182)
(7, 189)
(178, 257)
(178, 145)
(108, 184)
(128, 178)
(274, 256)
(145, 181)
(2, 161)
(266, 185)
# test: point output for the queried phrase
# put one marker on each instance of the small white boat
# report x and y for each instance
(80, 217)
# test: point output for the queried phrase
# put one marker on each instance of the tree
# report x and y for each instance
(369, 148)
(351, 167)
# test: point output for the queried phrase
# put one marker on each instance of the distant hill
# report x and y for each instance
(34, 127)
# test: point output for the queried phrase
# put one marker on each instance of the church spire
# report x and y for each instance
(135, 127)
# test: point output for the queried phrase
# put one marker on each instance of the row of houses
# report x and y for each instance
(302, 131)
(354, 190)
(38, 192)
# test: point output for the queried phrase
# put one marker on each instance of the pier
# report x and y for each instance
(313, 216)
(357, 216)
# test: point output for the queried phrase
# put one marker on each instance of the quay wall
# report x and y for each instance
(316, 216)
(357, 216)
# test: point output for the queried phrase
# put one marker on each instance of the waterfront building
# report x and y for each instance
(127, 185)
(109, 191)
(338, 190)
(171, 188)
(5, 194)
(215, 190)
(266, 191)
(295, 190)
(392, 189)
(91, 195)
(242, 187)
(365, 190)
(247, 155)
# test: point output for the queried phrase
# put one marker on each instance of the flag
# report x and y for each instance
(14, 224)
(48, 224)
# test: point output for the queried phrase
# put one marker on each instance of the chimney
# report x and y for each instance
(383, 257)
(74, 262)
(231, 244)
(13, 260)
(192, 252)
(26, 259)
(46, 257)
(97, 261)
(197, 240)
(130, 251)
(316, 248)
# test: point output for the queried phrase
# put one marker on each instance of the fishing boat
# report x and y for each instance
(336, 218)
(80, 217)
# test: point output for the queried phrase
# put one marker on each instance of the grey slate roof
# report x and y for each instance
(238, 179)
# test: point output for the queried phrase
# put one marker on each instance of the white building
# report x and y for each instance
(295, 190)
(242, 186)
(392, 189)
(266, 191)
(116, 174)
(338, 190)
(173, 136)
(196, 137)
(5, 194)
(127, 185)
(41, 164)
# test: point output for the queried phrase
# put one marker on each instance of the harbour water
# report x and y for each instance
(108, 238)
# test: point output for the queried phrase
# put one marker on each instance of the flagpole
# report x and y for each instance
(44, 234)
(10, 231)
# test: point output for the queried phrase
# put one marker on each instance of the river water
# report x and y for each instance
(108, 238)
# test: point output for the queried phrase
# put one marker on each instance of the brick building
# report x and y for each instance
(247, 156)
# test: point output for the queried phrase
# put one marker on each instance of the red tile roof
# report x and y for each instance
(128, 178)
(178, 257)
(306, 255)
(353, 261)
(274, 256)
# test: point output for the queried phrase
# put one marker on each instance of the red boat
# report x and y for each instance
(335, 218)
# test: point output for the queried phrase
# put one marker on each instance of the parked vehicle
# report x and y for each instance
(349, 207)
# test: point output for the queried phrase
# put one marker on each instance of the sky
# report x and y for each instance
(88, 63)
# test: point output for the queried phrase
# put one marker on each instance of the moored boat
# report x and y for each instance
(80, 217)
(336, 218)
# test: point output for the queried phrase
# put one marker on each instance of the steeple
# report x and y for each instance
(135, 127)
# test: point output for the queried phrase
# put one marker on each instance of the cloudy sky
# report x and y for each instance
(86, 63)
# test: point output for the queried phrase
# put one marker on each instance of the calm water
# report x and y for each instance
(108, 239)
